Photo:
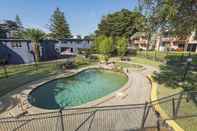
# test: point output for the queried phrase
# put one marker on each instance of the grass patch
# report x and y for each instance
(164, 91)
(186, 108)
(145, 61)
(128, 65)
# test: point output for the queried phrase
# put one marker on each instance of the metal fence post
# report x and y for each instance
(91, 115)
(173, 107)
(158, 121)
(61, 120)
(90, 126)
(5, 71)
(145, 114)
(36, 65)
(178, 104)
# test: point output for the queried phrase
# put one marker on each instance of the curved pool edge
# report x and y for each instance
(107, 98)
(94, 103)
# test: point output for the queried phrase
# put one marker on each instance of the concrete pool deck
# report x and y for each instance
(137, 90)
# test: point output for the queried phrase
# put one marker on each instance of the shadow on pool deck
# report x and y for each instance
(8, 104)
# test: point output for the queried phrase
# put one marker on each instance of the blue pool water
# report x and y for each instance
(79, 89)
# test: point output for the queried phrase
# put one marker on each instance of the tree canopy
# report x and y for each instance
(58, 25)
(18, 22)
(35, 35)
(20, 29)
(123, 23)
(103, 45)
(177, 16)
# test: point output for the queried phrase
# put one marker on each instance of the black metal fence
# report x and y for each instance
(121, 118)
(181, 107)
(132, 117)
(14, 76)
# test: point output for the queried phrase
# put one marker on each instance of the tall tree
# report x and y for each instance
(179, 16)
(20, 29)
(104, 45)
(59, 27)
(97, 42)
(121, 46)
(122, 23)
(35, 35)
(18, 21)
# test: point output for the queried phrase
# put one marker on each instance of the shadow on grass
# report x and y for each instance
(14, 82)
(8, 104)
(172, 73)
(22, 78)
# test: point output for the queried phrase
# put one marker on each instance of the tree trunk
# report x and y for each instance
(148, 44)
(36, 51)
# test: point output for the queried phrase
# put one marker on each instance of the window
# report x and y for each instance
(16, 44)
(19, 44)
(78, 41)
(13, 44)
(1, 43)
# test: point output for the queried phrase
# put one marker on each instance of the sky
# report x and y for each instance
(83, 16)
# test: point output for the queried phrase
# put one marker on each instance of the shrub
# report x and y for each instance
(118, 68)
(103, 58)
(68, 65)
(121, 46)
(81, 60)
(94, 58)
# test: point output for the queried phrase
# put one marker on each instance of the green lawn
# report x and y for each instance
(145, 61)
(129, 65)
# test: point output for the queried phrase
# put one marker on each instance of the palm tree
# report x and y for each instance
(35, 35)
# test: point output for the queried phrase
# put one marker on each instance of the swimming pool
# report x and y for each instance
(78, 89)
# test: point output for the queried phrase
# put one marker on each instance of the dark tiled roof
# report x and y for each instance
(25, 40)
(14, 40)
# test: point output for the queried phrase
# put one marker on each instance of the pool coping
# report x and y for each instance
(25, 90)
(90, 103)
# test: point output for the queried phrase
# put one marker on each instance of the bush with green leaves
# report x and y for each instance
(118, 68)
(81, 60)
(121, 46)
(103, 58)
(103, 45)
(94, 58)
(68, 65)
